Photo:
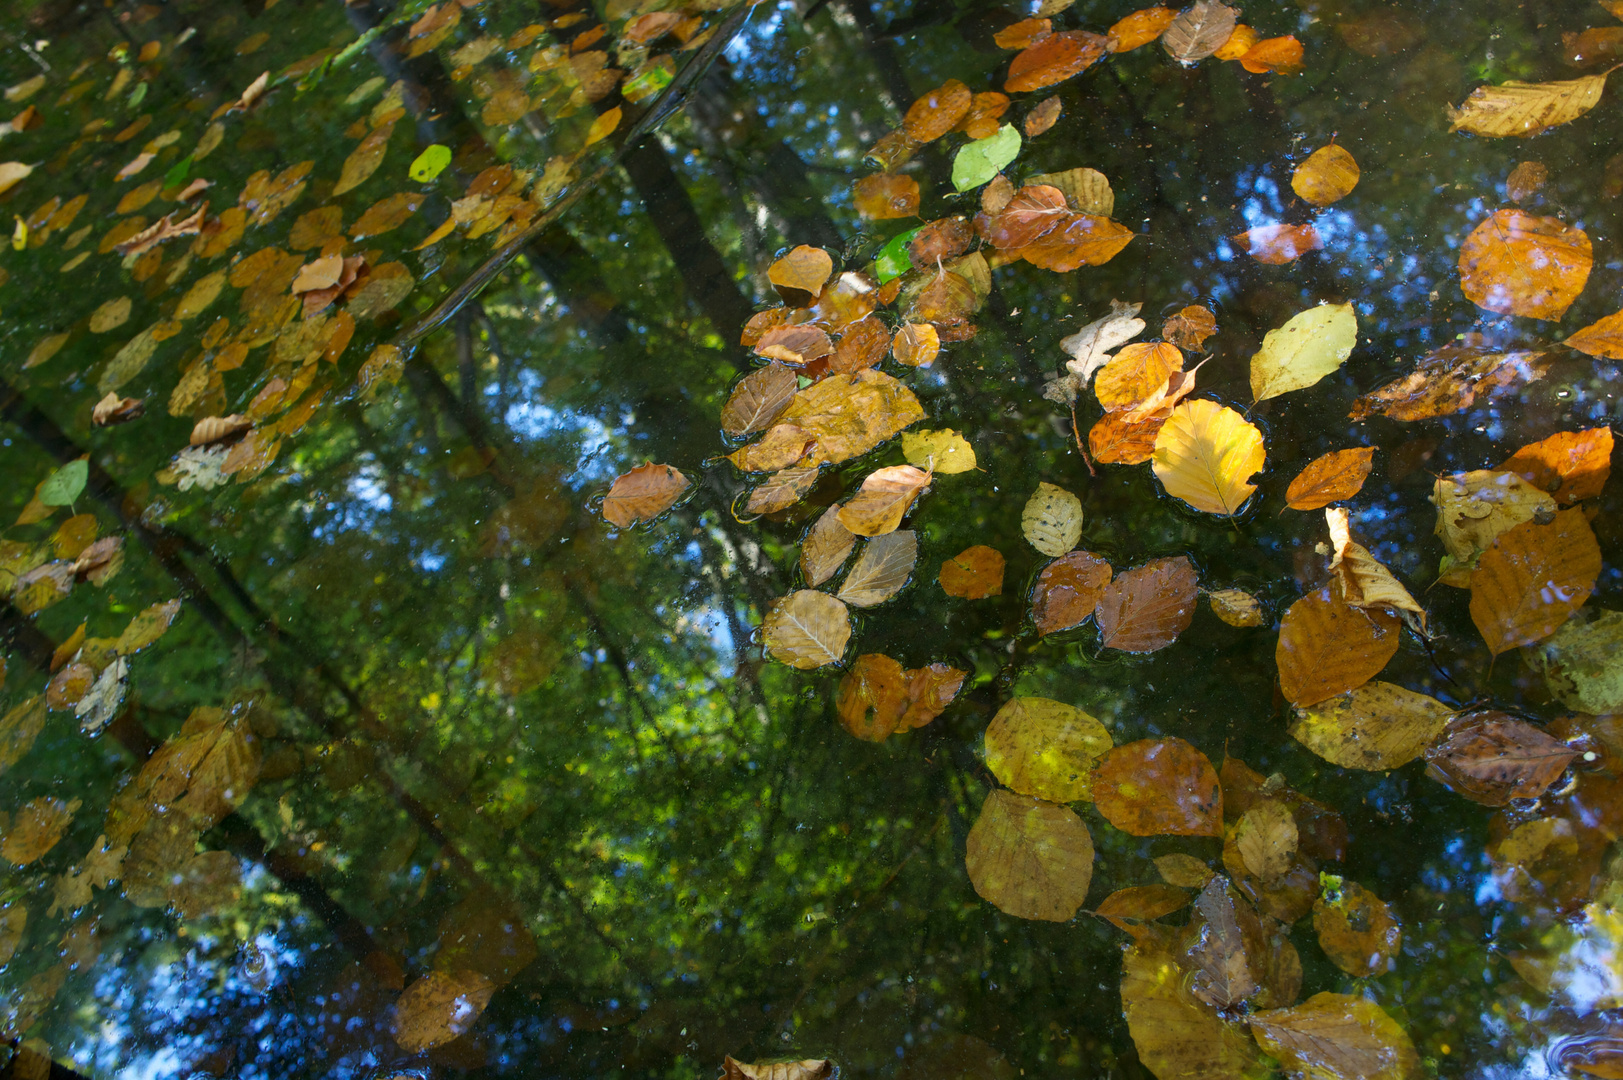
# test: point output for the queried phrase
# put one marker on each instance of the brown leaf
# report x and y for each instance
(930, 690)
(1277, 244)
(218, 429)
(1222, 968)
(1175, 1033)
(1571, 465)
(882, 569)
(36, 829)
(1521, 264)
(1525, 181)
(1190, 327)
(1146, 608)
(439, 1007)
(1086, 191)
(798, 345)
(1030, 858)
(1140, 28)
(780, 447)
(1337, 1037)
(872, 697)
(1199, 31)
(1035, 210)
(806, 629)
(1081, 240)
(1376, 727)
(1267, 838)
(782, 489)
(825, 548)
(1038, 746)
(1327, 647)
(113, 409)
(985, 110)
(916, 345)
(1448, 381)
(937, 112)
(883, 196)
(1492, 758)
(1127, 908)
(884, 498)
(940, 239)
(758, 399)
(643, 494)
(1532, 579)
(807, 1069)
(973, 574)
(1159, 787)
(1236, 607)
(1053, 59)
(1184, 871)
(165, 228)
(1068, 590)
(1043, 117)
(1337, 475)
(799, 276)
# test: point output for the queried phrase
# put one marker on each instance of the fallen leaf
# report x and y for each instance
(937, 112)
(642, 494)
(862, 344)
(1311, 345)
(1525, 181)
(1582, 664)
(944, 452)
(930, 690)
(113, 409)
(1222, 967)
(1199, 31)
(883, 500)
(364, 160)
(1334, 477)
(806, 1069)
(916, 345)
(1126, 908)
(1080, 240)
(1190, 327)
(883, 196)
(1448, 380)
(851, 414)
(1205, 454)
(165, 228)
(1146, 608)
(1030, 858)
(973, 574)
(1277, 244)
(1532, 579)
(806, 629)
(1116, 440)
(1135, 373)
(1068, 590)
(1032, 212)
(1052, 60)
(1570, 465)
(1184, 871)
(1327, 647)
(147, 627)
(782, 489)
(1052, 520)
(217, 429)
(1238, 44)
(1491, 758)
(100, 704)
(780, 447)
(36, 829)
(1267, 837)
(1038, 746)
(1160, 402)
(1043, 117)
(1279, 54)
(1236, 607)
(13, 173)
(800, 274)
(1175, 1033)
(439, 1007)
(1140, 28)
(871, 698)
(1159, 787)
(1366, 582)
(1517, 263)
(1524, 109)
(758, 399)
(979, 161)
(19, 728)
(1326, 176)
(1086, 191)
(1026, 32)
(1337, 1037)
(1603, 338)
(1376, 727)
(826, 547)
(881, 570)
(1090, 346)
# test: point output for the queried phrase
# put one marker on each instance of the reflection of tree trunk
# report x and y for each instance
(428, 90)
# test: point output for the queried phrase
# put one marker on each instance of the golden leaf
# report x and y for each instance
(973, 574)
(1365, 581)
(1140, 28)
(851, 414)
(440, 1006)
(1052, 520)
(1267, 837)
(1376, 727)
(1328, 174)
(1532, 579)
(147, 626)
(1571, 465)
(883, 196)
(1205, 454)
(1236, 607)
(1086, 191)
(643, 494)
(1038, 746)
(1175, 1033)
(1030, 858)
(825, 548)
(916, 345)
(1053, 59)
(1327, 647)
(1135, 373)
(782, 489)
(881, 570)
(1473, 508)
(1523, 109)
(1337, 1037)
(1337, 475)
(800, 274)
(1159, 787)
(806, 629)
(1517, 263)
(37, 828)
(1311, 345)
(364, 160)
(944, 452)
(936, 112)
(884, 498)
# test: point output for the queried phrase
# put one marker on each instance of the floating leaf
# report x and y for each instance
(1337, 475)
(973, 574)
(1159, 787)
(1116, 440)
(758, 399)
(1023, 34)
(1068, 590)
(1086, 190)
(1038, 746)
(110, 315)
(1267, 837)
(1199, 31)
(937, 112)
(851, 414)
(439, 1007)
(943, 452)
(882, 569)
(642, 494)
(1238, 44)
(147, 627)
(1279, 54)
(806, 629)
(916, 345)
(1140, 28)
(1326, 175)
(780, 447)
(430, 163)
(1311, 345)
(1146, 608)
(1583, 664)
(883, 196)
(1337, 1037)
(1532, 579)
(1492, 758)
(884, 498)
(1190, 327)
(19, 728)
(1603, 338)
(1236, 607)
(1052, 520)
(825, 548)
(1135, 373)
(877, 699)
(1175, 1033)
(1517, 263)
(799, 276)
(806, 1069)
(979, 161)
(1090, 346)
(1473, 508)
(1278, 244)
(1030, 858)
(1126, 908)
(1327, 647)
(782, 489)
(1080, 240)
(1524, 109)
(36, 829)
(1571, 465)
(1205, 454)
(1448, 380)
(1376, 727)
(1043, 117)
(364, 160)
(64, 486)
(100, 704)
(1052, 60)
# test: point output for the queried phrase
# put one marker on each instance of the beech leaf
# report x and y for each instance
(1524, 109)
(1337, 475)
(1376, 727)
(1038, 746)
(1030, 858)
(1206, 454)
(1337, 1037)
(1492, 758)
(973, 574)
(1532, 579)
(1052, 520)
(1159, 787)
(1146, 608)
(1517, 263)
(643, 494)
(1311, 345)
(881, 570)
(806, 629)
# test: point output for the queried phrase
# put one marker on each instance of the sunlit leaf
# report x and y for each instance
(1135, 373)
(1279, 54)
(1378, 726)
(1327, 647)
(883, 500)
(1334, 477)
(780, 447)
(440, 1006)
(1052, 520)
(1038, 746)
(1326, 175)
(1068, 590)
(943, 452)
(643, 494)
(1532, 579)
(881, 570)
(1525, 109)
(1030, 858)
(1146, 608)
(1159, 787)
(1190, 327)
(979, 161)
(937, 112)
(1492, 758)
(1517, 263)
(1337, 1037)
(1090, 346)
(806, 629)
(432, 161)
(1116, 440)
(1199, 31)
(800, 274)
(826, 547)
(851, 414)
(1052, 60)
(1140, 28)
(758, 399)
(1571, 465)
(1365, 581)
(1449, 379)
(882, 196)
(1206, 454)
(1175, 1034)
(1309, 346)
(1277, 244)
(973, 574)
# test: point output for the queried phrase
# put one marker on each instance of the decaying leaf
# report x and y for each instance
(826, 547)
(1492, 758)
(113, 409)
(1267, 837)
(1189, 327)
(1052, 520)
(806, 629)
(1570, 465)
(1086, 190)
(1449, 379)
(1524, 109)
(805, 1069)
(1147, 607)
(882, 569)
(1052, 60)
(1337, 475)
(877, 698)
(1525, 181)
(1365, 582)
(1473, 508)
(643, 494)
(147, 626)
(1043, 117)
(1517, 263)
(1582, 664)
(1030, 858)
(1038, 746)
(1376, 727)
(1532, 579)
(100, 704)
(1136, 904)
(851, 414)
(1206, 454)
(1068, 590)
(1237, 607)
(973, 574)
(1184, 871)
(438, 1007)
(1159, 787)
(1175, 1033)
(36, 829)
(1090, 346)
(883, 196)
(1326, 176)
(1221, 967)
(1199, 31)
(1135, 373)
(883, 500)
(758, 399)
(1337, 1037)
(19, 728)
(1311, 345)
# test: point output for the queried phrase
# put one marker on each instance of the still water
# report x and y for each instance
(344, 735)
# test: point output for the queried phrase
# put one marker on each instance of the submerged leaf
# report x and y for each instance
(882, 569)
(1337, 1037)
(1030, 858)
(1448, 380)
(1492, 758)
(1278, 244)
(973, 574)
(439, 1007)
(1199, 31)
(1052, 60)
(1176, 1034)
(1582, 664)
(1236, 607)
(1159, 787)
(825, 548)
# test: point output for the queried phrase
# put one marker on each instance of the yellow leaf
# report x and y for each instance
(1328, 174)
(807, 629)
(1205, 454)
(1378, 726)
(943, 451)
(1237, 608)
(1052, 520)
(1311, 345)
(1523, 109)
(603, 126)
(1038, 746)
(12, 173)
(1032, 859)
(438, 1007)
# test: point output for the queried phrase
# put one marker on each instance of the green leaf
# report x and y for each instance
(178, 172)
(65, 484)
(983, 159)
(430, 163)
(893, 260)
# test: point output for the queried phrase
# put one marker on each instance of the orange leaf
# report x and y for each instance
(1083, 240)
(1115, 440)
(883, 196)
(1023, 34)
(643, 494)
(1532, 579)
(1034, 211)
(861, 345)
(1571, 465)
(1337, 475)
(1139, 28)
(1357, 931)
(1328, 174)
(1054, 59)
(1190, 327)
(985, 109)
(1068, 590)
(1280, 54)
(1238, 44)
(1448, 380)
(937, 112)
(1126, 908)
(1278, 244)
(916, 345)
(1043, 117)
(1135, 373)
(885, 495)
(973, 574)
(872, 697)
(1159, 787)
(1146, 608)
(1521, 264)
(1603, 338)
(799, 275)
(1327, 647)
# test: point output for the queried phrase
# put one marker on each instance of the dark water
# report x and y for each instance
(464, 725)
